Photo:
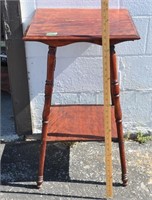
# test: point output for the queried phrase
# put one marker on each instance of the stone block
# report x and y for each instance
(135, 47)
(137, 108)
(88, 98)
(149, 39)
(138, 8)
(27, 8)
(136, 73)
(74, 3)
(78, 74)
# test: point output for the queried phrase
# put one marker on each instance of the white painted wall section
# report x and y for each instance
(78, 75)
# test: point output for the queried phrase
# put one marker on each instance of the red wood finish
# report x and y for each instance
(46, 111)
(118, 113)
(78, 123)
(79, 25)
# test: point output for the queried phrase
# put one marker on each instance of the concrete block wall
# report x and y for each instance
(78, 75)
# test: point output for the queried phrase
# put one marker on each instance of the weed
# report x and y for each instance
(142, 138)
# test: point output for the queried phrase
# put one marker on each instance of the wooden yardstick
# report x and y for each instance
(107, 98)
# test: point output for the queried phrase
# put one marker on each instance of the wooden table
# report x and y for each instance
(79, 122)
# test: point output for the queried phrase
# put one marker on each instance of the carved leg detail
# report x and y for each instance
(46, 111)
(118, 114)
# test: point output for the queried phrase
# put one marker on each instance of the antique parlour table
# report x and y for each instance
(60, 27)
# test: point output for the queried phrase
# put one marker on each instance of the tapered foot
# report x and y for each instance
(39, 182)
(124, 180)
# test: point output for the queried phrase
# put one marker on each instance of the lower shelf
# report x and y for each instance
(78, 123)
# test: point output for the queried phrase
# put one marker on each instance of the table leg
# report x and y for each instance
(118, 113)
(46, 111)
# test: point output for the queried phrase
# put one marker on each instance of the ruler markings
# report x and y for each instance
(107, 98)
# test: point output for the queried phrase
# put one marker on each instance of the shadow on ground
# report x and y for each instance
(20, 163)
(19, 168)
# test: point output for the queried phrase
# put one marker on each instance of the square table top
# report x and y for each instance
(64, 26)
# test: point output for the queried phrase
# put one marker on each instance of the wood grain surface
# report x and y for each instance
(78, 123)
(79, 25)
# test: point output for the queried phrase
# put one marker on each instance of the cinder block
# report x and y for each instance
(100, 98)
(78, 74)
(59, 98)
(135, 47)
(136, 73)
(27, 8)
(56, 98)
(70, 98)
(88, 98)
(74, 3)
(71, 74)
(138, 8)
(36, 75)
(137, 107)
(81, 49)
(149, 39)
(36, 49)
(36, 104)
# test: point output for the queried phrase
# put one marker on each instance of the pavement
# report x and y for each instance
(72, 172)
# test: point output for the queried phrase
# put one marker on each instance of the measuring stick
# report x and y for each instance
(107, 99)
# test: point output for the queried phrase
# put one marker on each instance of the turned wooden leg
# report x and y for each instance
(46, 111)
(118, 113)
